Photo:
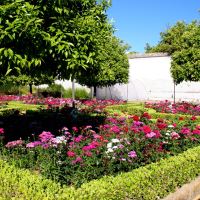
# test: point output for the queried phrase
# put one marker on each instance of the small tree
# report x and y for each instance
(182, 42)
(51, 38)
(110, 66)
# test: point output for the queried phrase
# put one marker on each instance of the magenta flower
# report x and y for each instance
(185, 131)
(71, 154)
(115, 129)
(33, 144)
(175, 135)
(196, 131)
(45, 146)
(87, 127)
(96, 136)
(132, 154)
(1, 131)
(75, 129)
(78, 160)
(88, 153)
(14, 143)
(45, 136)
(88, 147)
(78, 139)
(151, 135)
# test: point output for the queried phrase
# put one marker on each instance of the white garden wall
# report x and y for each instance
(150, 79)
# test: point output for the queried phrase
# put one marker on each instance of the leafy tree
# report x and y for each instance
(182, 42)
(110, 67)
(50, 38)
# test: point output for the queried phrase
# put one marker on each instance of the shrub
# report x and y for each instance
(153, 181)
(80, 93)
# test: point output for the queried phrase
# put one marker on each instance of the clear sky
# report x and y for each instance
(141, 21)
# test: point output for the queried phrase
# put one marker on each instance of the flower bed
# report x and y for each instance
(178, 108)
(153, 181)
(120, 145)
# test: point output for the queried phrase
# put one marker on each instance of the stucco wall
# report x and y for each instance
(150, 79)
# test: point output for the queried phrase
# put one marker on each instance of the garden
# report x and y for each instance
(75, 144)
(56, 147)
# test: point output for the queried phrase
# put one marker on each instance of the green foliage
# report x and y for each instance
(57, 90)
(111, 64)
(135, 109)
(182, 41)
(13, 107)
(171, 40)
(131, 109)
(10, 88)
(53, 90)
(143, 183)
(43, 40)
(80, 93)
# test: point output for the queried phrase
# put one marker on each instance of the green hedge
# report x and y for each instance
(151, 182)
(13, 107)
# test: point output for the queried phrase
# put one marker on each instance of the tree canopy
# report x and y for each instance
(110, 67)
(182, 42)
(57, 39)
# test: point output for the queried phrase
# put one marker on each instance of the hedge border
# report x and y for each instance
(153, 181)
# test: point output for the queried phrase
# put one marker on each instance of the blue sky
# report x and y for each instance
(141, 21)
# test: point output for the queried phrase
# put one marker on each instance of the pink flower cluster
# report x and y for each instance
(1, 131)
(15, 143)
(180, 107)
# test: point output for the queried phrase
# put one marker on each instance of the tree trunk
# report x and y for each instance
(91, 93)
(95, 91)
(31, 88)
(73, 90)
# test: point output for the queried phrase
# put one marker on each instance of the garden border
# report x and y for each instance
(153, 181)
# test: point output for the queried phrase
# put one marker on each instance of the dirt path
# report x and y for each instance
(190, 191)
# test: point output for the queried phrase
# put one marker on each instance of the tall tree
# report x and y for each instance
(110, 66)
(55, 38)
(182, 42)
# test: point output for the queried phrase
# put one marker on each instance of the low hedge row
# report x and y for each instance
(136, 109)
(151, 182)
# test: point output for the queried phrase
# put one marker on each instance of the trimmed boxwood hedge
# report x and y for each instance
(153, 181)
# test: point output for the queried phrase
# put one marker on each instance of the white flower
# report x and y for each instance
(167, 133)
(59, 162)
(110, 150)
(58, 140)
(115, 140)
(170, 126)
(115, 147)
(109, 145)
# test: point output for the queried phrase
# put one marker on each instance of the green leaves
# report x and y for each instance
(182, 42)
(56, 39)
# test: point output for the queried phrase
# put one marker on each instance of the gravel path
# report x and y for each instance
(190, 191)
